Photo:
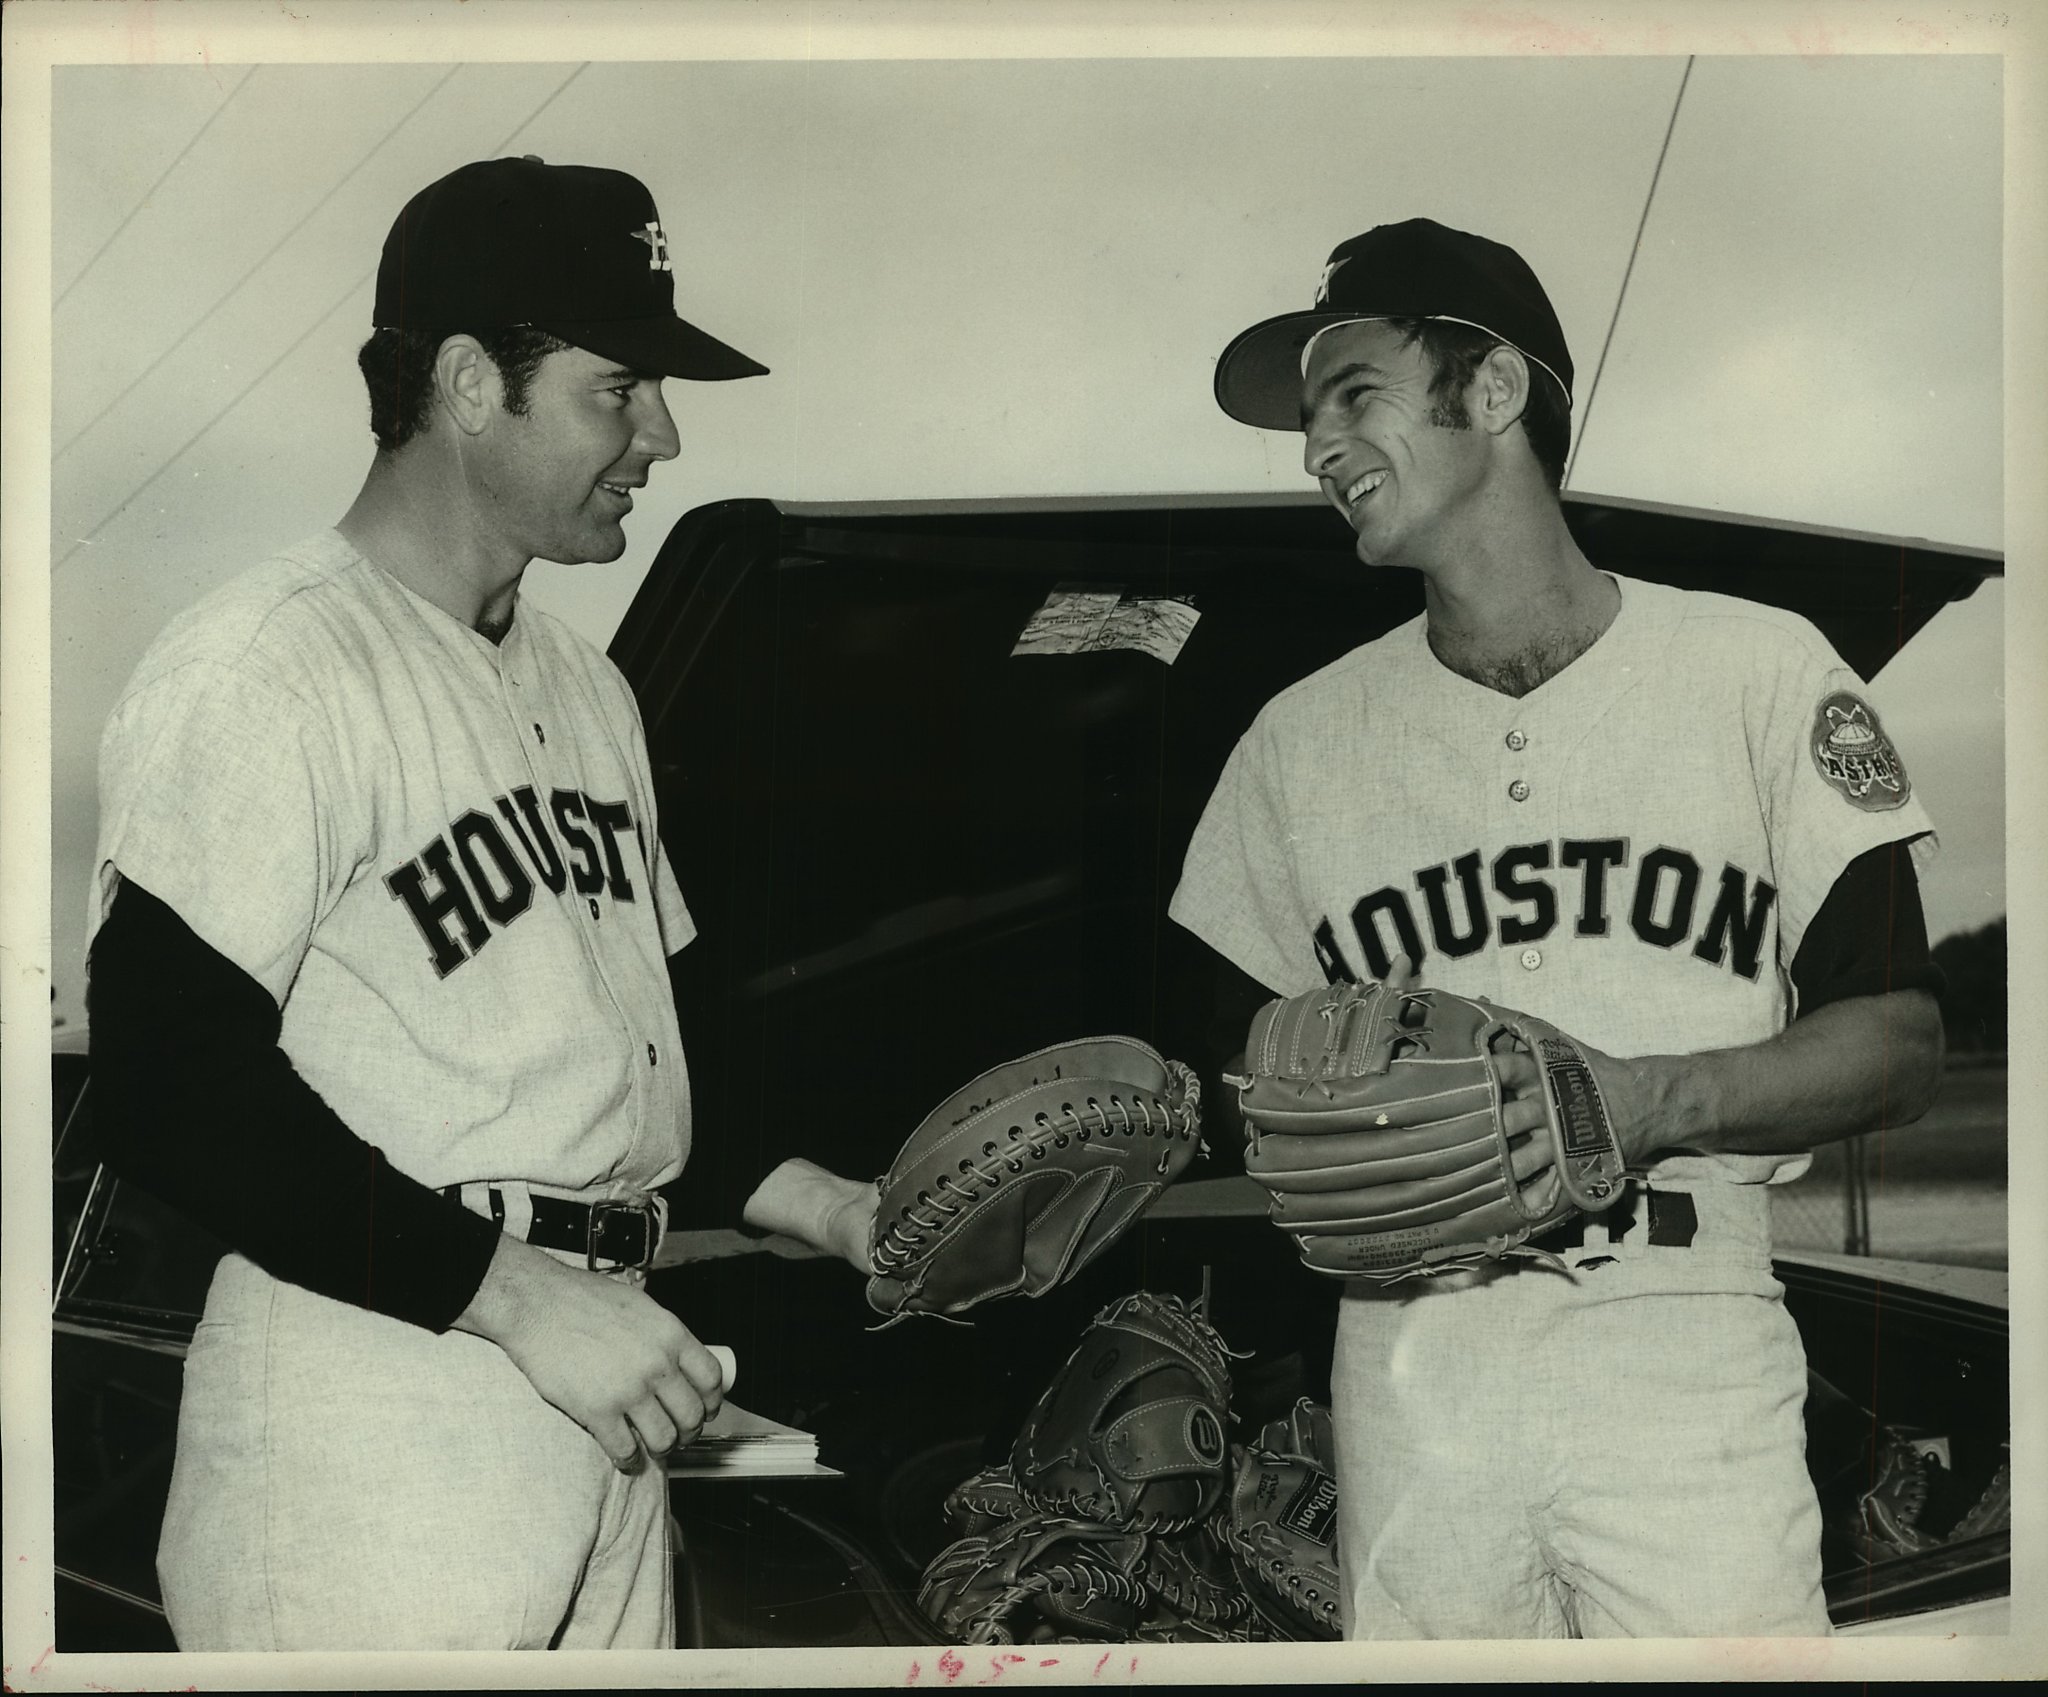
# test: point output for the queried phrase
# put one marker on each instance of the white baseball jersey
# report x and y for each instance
(1632, 851)
(439, 855)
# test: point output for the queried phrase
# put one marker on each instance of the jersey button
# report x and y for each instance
(1518, 791)
(651, 1058)
(539, 734)
(1517, 741)
(593, 907)
(1531, 959)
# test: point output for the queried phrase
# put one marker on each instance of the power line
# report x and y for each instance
(241, 282)
(1585, 418)
(243, 393)
(526, 123)
(149, 192)
(185, 446)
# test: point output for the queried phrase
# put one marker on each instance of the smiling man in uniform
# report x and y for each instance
(1667, 823)
(379, 983)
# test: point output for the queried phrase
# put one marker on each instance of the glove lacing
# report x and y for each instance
(903, 1239)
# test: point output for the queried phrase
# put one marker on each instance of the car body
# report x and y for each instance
(914, 852)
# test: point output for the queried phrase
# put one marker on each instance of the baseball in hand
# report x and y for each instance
(728, 1365)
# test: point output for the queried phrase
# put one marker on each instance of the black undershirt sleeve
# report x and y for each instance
(1869, 937)
(194, 1101)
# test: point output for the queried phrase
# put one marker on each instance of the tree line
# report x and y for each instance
(1973, 996)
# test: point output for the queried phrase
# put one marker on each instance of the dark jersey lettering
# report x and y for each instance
(470, 880)
(1528, 901)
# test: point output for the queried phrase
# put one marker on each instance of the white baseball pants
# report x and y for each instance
(1613, 1451)
(347, 1481)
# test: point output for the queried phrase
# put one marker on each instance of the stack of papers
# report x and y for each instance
(740, 1444)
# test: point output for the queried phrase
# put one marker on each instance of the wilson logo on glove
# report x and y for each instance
(1581, 1115)
(1142, 1447)
(1286, 1557)
(1313, 1512)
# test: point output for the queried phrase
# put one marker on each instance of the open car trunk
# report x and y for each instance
(913, 853)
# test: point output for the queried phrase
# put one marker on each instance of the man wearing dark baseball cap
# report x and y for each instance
(380, 988)
(573, 250)
(1622, 809)
(1416, 270)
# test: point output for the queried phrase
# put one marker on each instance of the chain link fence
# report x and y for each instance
(1931, 1191)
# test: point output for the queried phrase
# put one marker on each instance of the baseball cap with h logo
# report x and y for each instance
(575, 250)
(1415, 269)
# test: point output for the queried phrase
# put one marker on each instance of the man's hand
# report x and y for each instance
(830, 1214)
(1401, 975)
(1523, 1115)
(602, 1351)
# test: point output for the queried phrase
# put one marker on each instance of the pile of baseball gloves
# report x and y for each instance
(1126, 1514)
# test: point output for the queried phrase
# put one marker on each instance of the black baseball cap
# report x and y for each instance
(575, 250)
(1416, 269)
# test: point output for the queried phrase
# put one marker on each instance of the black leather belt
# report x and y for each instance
(624, 1234)
(1665, 1218)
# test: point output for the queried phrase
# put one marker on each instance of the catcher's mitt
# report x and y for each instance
(1130, 1433)
(1281, 1524)
(1039, 1579)
(1374, 1119)
(1025, 1175)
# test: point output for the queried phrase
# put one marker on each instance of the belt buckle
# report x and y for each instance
(650, 1232)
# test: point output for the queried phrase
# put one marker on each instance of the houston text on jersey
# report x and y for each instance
(490, 887)
(1666, 902)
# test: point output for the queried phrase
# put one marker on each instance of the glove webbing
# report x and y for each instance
(1368, 1017)
(901, 1243)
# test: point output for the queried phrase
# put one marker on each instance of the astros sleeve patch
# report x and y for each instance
(1854, 756)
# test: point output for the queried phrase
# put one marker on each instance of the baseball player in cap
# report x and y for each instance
(1666, 822)
(379, 987)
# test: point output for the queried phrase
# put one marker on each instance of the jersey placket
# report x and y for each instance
(1543, 739)
(1502, 744)
(1527, 745)
(529, 711)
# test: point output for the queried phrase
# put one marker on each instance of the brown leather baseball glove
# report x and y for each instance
(1373, 1117)
(1023, 1176)
(1131, 1432)
(1281, 1523)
